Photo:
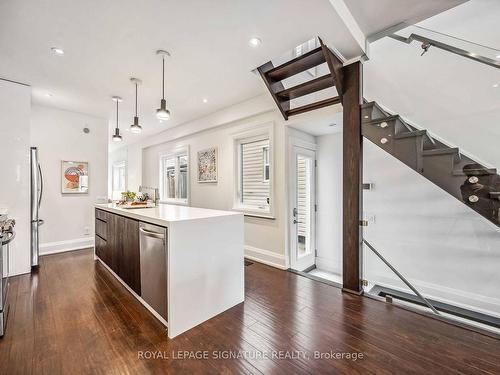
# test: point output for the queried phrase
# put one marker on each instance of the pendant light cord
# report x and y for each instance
(117, 114)
(136, 99)
(163, 80)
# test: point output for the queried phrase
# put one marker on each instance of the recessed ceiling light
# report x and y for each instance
(255, 42)
(498, 56)
(48, 95)
(205, 100)
(495, 85)
(57, 50)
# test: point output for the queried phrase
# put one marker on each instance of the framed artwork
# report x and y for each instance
(74, 177)
(207, 165)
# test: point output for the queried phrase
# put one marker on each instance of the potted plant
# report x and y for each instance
(128, 196)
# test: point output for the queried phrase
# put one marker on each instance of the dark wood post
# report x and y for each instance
(352, 178)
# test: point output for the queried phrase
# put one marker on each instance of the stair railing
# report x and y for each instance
(428, 42)
(403, 279)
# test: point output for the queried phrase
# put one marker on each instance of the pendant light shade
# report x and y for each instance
(162, 113)
(135, 127)
(116, 136)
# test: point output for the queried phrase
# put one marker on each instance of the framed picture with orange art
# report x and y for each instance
(74, 177)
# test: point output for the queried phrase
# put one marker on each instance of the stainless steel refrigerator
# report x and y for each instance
(36, 200)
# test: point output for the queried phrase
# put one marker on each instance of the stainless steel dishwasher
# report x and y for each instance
(153, 245)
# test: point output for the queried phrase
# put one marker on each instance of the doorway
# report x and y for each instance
(303, 222)
(314, 176)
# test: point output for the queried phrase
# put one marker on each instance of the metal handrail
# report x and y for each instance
(403, 279)
(447, 47)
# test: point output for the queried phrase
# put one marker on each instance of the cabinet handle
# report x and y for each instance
(152, 234)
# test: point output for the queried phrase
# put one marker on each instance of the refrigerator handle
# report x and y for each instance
(41, 186)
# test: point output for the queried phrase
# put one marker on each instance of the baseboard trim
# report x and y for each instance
(266, 257)
(68, 245)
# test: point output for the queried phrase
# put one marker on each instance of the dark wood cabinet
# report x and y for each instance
(129, 268)
(117, 245)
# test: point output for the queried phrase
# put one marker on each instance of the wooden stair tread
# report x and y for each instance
(416, 133)
(441, 151)
(299, 64)
(312, 106)
(478, 172)
(382, 119)
(306, 88)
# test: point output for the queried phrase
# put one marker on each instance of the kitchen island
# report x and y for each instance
(184, 264)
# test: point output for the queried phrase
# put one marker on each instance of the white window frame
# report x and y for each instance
(258, 133)
(184, 150)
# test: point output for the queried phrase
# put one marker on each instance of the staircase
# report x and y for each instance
(468, 181)
(273, 78)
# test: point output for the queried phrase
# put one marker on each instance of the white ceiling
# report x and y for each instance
(327, 120)
(374, 16)
(107, 42)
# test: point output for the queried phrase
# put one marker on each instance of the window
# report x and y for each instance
(119, 173)
(174, 177)
(265, 157)
(253, 169)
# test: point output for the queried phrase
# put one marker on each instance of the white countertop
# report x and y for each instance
(164, 214)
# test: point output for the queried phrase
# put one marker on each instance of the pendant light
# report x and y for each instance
(162, 113)
(135, 127)
(116, 136)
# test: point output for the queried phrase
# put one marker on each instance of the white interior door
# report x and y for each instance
(303, 214)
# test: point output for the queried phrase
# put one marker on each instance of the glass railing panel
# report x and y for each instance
(472, 48)
(431, 153)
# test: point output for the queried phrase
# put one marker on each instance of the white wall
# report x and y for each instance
(58, 134)
(264, 238)
(329, 198)
(450, 96)
(15, 106)
(442, 246)
(447, 250)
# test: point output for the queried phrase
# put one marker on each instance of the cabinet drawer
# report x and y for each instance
(101, 215)
(101, 229)
(101, 249)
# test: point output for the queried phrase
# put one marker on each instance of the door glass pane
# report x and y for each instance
(303, 216)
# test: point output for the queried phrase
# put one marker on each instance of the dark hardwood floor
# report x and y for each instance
(73, 317)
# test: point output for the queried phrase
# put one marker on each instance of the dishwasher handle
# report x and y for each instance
(152, 234)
